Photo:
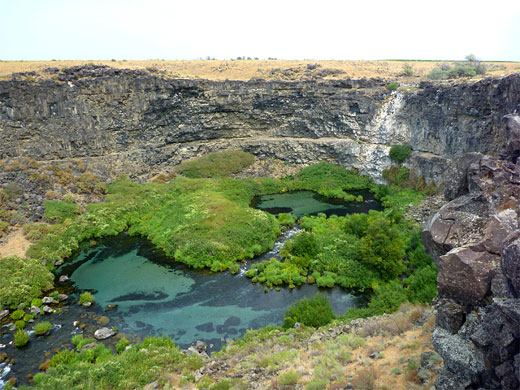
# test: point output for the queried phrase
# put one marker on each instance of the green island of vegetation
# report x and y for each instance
(206, 221)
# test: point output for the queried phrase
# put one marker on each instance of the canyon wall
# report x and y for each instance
(475, 242)
(133, 122)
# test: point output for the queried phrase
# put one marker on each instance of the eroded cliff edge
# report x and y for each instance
(129, 121)
(475, 242)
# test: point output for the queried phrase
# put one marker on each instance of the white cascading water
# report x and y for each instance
(275, 252)
(384, 127)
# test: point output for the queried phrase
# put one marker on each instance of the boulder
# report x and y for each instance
(35, 310)
(510, 262)
(466, 274)
(4, 313)
(104, 333)
(48, 300)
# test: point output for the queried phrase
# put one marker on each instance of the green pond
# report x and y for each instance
(307, 202)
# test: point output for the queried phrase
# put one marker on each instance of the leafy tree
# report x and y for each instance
(399, 153)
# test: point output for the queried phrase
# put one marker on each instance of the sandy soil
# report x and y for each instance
(266, 69)
(16, 244)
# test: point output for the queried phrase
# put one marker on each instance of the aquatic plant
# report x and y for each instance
(42, 328)
(21, 338)
(86, 297)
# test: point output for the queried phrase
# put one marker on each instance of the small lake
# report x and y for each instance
(300, 203)
(156, 296)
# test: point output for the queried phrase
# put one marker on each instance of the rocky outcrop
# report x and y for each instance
(129, 121)
(475, 242)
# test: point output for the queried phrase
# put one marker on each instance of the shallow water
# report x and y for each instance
(156, 297)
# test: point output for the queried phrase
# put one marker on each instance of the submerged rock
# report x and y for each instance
(4, 313)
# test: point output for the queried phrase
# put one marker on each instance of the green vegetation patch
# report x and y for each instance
(57, 212)
(399, 153)
(216, 164)
(22, 280)
(200, 222)
(97, 368)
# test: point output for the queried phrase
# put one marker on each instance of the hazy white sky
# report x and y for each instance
(320, 29)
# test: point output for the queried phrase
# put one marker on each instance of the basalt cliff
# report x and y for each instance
(129, 121)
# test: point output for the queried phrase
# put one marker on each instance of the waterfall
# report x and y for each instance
(384, 128)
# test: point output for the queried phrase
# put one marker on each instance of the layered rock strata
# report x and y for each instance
(475, 242)
(131, 121)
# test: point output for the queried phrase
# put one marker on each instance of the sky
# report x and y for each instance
(283, 29)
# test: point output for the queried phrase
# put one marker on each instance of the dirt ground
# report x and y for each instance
(265, 69)
(16, 244)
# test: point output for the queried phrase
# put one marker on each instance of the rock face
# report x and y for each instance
(129, 121)
(475, 242)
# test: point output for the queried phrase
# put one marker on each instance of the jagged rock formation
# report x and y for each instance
(130, 121)
(475, 242)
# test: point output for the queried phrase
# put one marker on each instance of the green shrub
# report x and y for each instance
(289, 378)
(407, 70)
(317, 384)
(36, 302)
(470, 68)
(315, 312)
(122, 344)
(42, 328)
(399, 153)
(86, 297)
(21, 338)
(20, 324)
(4, 227)
(392, 86)
(286, 219)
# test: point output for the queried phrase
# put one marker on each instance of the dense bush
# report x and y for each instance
(399, 153)
(22, 280)
(216, 164)
(315, 312)
(406, 178)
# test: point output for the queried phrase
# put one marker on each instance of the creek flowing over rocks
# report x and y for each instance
(475, 242)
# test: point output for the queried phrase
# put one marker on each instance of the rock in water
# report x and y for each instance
(104, 333)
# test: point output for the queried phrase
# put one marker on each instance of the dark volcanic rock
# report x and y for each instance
(475, 241)
(131, 121)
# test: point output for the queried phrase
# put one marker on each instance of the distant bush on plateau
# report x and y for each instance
(471, 68)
